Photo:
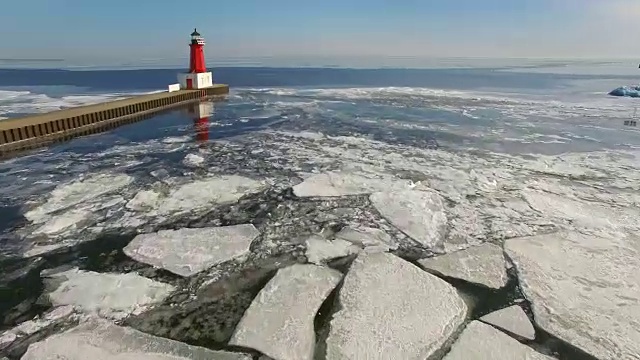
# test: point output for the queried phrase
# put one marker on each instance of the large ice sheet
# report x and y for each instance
(279, 322)
(583, 289)
(391, 309)
(188, 251)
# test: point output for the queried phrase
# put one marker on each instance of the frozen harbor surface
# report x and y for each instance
(344, 222)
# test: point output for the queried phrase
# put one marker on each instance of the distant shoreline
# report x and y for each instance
(31, 60)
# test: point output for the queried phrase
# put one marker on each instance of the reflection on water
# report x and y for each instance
(200, 113)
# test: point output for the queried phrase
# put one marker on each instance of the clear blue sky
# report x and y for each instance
(253, 28)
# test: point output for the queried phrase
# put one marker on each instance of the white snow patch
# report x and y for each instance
(390, 309)
(189, 251)
(278, 323)
(107, 295)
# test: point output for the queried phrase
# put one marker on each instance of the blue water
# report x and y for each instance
(120, 80)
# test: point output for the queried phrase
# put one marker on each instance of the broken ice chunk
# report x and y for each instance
(108, 295)
(188, 251)
(278, 323)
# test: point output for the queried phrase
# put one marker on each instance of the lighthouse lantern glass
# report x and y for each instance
(197, 39)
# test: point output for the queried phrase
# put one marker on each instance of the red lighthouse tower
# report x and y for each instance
(196, 62)
(197, 77)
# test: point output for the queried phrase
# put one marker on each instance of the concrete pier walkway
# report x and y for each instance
(36, 130)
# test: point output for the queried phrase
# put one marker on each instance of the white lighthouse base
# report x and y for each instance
(189, 81)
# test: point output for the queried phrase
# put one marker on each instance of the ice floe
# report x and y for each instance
(197, 195)
(370, 239)
(583, 289)
(626, 91)
(483, 264)
(41, 326)
(321, 250)
(7, 339)
(108, 295)
(79, 192)
(58, 224)
(100, 340)
(479, 341)
(193, 160)
(390, 309)
(512, 319)
(144, 200)
(278, 323)
(419, 214)
(70, 208)
(188, 251)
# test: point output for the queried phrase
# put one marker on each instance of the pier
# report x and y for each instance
(37, 130)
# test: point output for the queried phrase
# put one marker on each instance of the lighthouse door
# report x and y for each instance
(189, 83)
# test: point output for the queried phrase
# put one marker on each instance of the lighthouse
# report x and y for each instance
(197, 77)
